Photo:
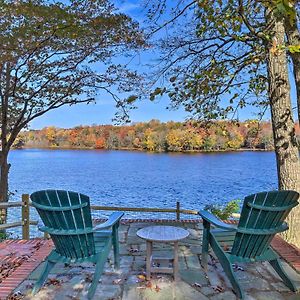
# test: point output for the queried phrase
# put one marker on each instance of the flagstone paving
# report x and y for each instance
(129, 283)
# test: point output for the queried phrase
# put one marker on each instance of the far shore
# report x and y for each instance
(144, 150)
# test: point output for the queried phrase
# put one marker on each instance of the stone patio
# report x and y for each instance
(129, 283)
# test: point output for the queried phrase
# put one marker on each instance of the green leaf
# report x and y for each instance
(131, 99)
(294, 48)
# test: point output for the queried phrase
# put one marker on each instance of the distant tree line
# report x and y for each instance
(156, 136)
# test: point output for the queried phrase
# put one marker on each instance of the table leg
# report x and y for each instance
(148, 259)
(175, 263)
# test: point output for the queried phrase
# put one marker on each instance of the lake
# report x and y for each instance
(141, 179)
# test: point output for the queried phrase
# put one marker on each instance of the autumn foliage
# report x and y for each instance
(156, 136)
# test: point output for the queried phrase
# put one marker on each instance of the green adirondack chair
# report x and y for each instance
(67, 218)
(262, 216)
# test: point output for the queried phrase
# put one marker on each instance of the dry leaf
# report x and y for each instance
(53, 281)
(133, 250)
(218, 288)
(237, 267)
(141, 277)
(197, 285)
(118, 281)
(157, 289)
(225, 247)
(15, 296)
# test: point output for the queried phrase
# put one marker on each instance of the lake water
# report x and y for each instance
(124, 178)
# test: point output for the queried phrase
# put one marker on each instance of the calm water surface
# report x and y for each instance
(124, 178)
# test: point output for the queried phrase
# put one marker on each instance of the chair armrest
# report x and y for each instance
(113, 219)
(212, 219)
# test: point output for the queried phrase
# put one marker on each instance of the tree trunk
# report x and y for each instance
(293, 37)
(4, 183)
(287, 153)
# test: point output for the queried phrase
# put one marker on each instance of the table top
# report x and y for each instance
(162, 233)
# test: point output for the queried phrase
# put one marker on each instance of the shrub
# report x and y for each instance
(224, 211)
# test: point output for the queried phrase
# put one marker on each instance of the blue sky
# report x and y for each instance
(103, 111)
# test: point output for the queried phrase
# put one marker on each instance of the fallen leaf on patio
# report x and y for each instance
(78, 287)
(237, 267)
(29, 285)
(141, 277)
(15, 296)
(73, 297)
(225, 247)
(133, 250)
(88, 277)
(213, 261)
(197, 285)
(53, 281)
(218, 288)
(118, 281)
(157, 289)
(7, 268)
(37, 246)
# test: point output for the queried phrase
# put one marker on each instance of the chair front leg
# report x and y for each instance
(115, 240)
(205, 244)
(44, 274)
(101, 260)
(227, 267)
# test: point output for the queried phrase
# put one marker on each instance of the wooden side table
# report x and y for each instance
(162, 234)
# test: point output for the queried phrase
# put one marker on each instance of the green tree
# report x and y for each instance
(291, 14)
(46, 56)
(226, 54)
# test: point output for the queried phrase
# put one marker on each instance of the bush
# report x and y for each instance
(224, 212)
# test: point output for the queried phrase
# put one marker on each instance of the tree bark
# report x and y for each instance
(293, 37)
(4, 165)
(4, 143)
(287, 153)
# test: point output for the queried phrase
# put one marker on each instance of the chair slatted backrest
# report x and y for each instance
(262, 216)
(67, 218)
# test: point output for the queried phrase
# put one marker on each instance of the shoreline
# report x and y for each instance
(147, 151)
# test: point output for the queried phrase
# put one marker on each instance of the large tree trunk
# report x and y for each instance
(287, 153)
(293, 37)
(4, 165)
